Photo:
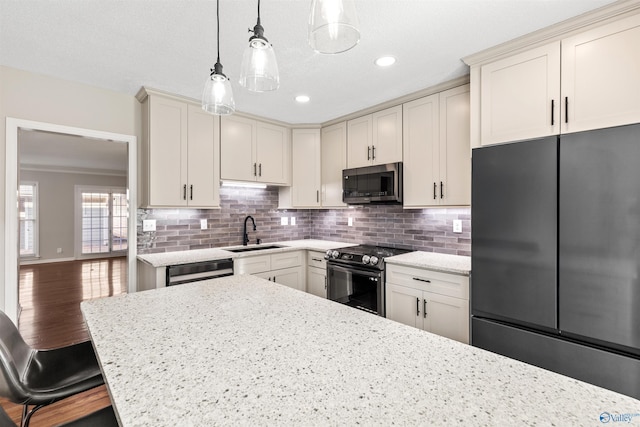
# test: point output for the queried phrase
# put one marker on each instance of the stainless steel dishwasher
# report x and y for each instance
(196, 271)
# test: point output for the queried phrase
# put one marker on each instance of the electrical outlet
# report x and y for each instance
(293, 220)
(149, 225)
(203, 224)
(457, 226)
(59, 250)
(284, 220)
(350, 222)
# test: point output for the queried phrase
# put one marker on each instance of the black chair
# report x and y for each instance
(103, 418)
(38, 378)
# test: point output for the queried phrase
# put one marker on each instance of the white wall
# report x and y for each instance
(56, 192)
(29, 96)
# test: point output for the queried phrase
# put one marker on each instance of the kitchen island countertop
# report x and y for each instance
(445, 263)
(241, 350)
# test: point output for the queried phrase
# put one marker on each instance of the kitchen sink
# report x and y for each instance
(254, 248)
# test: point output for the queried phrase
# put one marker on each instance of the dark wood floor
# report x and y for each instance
(50, 297)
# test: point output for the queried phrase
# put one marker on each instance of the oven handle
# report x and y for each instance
(369, 273)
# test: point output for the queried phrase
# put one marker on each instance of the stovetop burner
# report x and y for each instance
(364, 255)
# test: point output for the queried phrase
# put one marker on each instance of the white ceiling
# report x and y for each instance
(170, 45)
(60, 152)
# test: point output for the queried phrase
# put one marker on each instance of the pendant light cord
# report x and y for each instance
(258, 12)
(218, 27)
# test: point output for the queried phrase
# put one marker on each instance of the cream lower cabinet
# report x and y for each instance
(316, 274)
(251, 150)
(285, 268)
(437, 161)
(180, 153)
(433, 301)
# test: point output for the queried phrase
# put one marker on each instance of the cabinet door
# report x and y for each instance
(601, 76)
(404, 305)
(203, 167)
(286, 259)
(455, 148)
(273, 153)
(520, 96)
(420, 142)
(334, 159)
(359, 142)
(446, 316)
(167, 152)
(252, 265)
(305, 150)
(291, 277)
(317, 282)
(237, 142)
(386, 146)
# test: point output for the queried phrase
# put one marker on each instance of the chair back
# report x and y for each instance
(15, 355)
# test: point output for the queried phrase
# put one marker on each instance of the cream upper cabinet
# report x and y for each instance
(521, 96)
(333, 147)
(437, 163)
(254, 151)
(179, 153)
(375, 139)
(305, 148)
(587, 80)
(601, 76)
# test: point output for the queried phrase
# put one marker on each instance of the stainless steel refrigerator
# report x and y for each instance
(555, 254)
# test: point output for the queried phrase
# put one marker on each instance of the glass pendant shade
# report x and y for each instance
(217, 96)
(333, 26)
(259, 71)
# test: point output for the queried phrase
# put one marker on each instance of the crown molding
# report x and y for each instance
(556, 32)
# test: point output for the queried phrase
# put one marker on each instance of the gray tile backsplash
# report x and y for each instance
(421, 229)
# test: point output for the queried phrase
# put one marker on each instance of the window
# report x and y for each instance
(104, 221)
(28, 215)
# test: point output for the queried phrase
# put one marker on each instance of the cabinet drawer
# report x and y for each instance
(316, 259)
(286, 260)
(427, 280)
(252, 264)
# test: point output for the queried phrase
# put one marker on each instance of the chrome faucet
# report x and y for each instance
(245, 236)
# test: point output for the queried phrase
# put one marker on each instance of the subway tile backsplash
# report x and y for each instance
(420, 229)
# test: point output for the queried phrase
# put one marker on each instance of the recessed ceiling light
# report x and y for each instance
(385, 61)
(302, 99)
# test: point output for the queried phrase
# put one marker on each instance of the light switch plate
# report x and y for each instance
(457, 226)
(284, 220)
(293, 220)
(203, 224)
(149, 225)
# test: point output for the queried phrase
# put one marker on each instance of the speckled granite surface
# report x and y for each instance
(197, 255)
(245, 351)
(433, 261)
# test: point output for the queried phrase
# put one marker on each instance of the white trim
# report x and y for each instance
(11, 199)
(45, 261)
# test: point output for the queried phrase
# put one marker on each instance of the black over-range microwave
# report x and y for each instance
(372, 184)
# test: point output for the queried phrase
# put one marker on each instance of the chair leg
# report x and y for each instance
(26, 414)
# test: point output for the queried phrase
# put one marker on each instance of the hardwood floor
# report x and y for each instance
(50, 297)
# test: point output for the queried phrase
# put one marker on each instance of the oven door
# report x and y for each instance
(356, 287)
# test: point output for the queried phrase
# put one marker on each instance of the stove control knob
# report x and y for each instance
(365, 259)
(373, 260)
(327, 254)
(335, 254)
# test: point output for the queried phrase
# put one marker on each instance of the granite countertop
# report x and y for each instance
(184, 257)
(241, 350)
(445, 263)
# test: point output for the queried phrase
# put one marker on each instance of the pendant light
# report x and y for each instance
(333, 26)
(217, 96)
(259, 71)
